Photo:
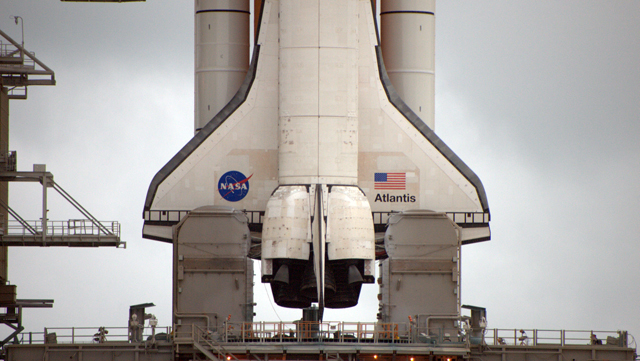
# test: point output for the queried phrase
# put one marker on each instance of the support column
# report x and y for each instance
(4, 186)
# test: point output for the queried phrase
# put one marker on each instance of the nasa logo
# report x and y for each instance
(233, 186)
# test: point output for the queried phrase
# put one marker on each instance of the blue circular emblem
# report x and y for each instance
(233, 186)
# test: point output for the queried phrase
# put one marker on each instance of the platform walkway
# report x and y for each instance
(261, 341)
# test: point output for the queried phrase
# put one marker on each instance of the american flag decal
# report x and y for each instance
(397, 181)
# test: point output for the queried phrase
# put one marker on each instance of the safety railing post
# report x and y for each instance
(375, 332)
(44, 208)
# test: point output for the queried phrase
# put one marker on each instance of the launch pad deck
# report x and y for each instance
(262, 341)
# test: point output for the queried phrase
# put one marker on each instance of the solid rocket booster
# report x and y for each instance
(408, 48)
(221, 54)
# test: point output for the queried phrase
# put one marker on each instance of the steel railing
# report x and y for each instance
(330, 332)
(341, 332)
(68, 335)
(72, 227)
(537, 337)
(410, 333)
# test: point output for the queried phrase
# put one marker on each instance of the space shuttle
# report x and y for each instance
(319, 137)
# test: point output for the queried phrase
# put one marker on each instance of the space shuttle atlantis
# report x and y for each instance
(316, 139)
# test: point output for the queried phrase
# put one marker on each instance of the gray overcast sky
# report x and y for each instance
(540, 98)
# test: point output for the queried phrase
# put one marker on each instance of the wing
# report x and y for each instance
(232, 160)
(403, 165)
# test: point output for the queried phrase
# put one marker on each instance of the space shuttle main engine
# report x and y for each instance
(317, 148)
(326, 250)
